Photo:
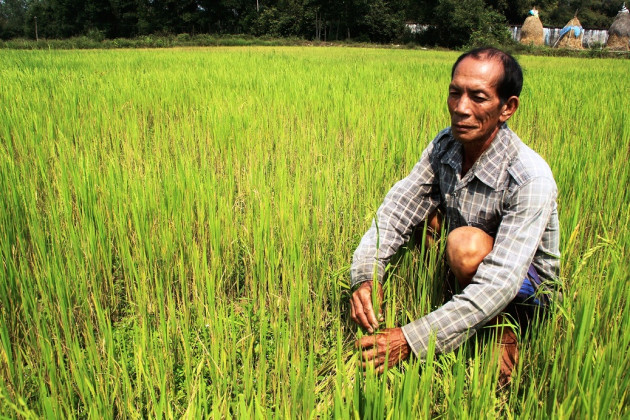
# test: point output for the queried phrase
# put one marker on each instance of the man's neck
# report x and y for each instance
(472, 151)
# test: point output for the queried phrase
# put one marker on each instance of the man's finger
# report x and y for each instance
(369, 310)
(375, 362)
(369, 354)
(380, 369)
(378, 363)
(366, 342)
(353, 314)
(359, 311)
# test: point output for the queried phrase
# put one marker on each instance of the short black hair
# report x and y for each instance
(511, 83)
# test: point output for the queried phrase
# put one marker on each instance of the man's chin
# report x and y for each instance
(462, 138)
(463, 134)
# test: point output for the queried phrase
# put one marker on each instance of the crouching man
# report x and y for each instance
(494, 197)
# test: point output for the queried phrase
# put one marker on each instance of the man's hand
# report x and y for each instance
(362, 311)
(375, 349)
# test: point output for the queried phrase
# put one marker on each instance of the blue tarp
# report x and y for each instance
(576, 30)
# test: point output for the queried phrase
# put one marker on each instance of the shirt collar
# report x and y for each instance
(453, 154)
(488, 168)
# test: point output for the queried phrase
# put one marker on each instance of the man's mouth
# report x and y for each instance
(463, 127)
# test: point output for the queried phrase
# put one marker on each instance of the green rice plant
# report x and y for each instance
(177, 225)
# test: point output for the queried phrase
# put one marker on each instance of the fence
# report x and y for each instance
(592, 37)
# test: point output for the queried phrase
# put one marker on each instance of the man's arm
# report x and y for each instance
(499, 276)
(408, 203)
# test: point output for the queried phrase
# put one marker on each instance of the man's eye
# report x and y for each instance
(477, 98)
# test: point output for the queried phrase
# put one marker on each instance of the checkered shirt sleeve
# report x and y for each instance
(498, 278)
(407, 204)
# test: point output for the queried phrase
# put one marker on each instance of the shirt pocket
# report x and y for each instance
(486, 221)
(451, 209)
(481, 210)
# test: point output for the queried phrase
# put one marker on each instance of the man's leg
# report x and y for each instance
(466, 247)
(428, 233)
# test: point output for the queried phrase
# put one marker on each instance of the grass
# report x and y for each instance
(176, 228)
(96, 41)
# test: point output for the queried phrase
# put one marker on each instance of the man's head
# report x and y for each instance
(483, 94)
(511, 82)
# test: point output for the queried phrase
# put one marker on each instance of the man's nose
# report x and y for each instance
(462, 106)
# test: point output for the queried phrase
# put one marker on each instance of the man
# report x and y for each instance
(492, 195)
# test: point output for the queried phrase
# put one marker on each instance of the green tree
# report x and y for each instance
(12, 18)
(384, 21)
(467, 22)
(592, 13)
(283, 18)
(125, 18)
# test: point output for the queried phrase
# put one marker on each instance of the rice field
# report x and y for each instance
(177, 226)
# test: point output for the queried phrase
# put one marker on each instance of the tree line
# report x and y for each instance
(450, 23)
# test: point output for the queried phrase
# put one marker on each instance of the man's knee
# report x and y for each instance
(466, 247)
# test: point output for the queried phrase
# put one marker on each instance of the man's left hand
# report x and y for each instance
(375, 348)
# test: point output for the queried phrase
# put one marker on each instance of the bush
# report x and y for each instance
(96, 35)
(183, 38)
(123, 43)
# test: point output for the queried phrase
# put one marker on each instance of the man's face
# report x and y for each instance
(473, 102)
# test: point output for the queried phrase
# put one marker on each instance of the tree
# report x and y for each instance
(467, 22)
(592, 13)
(283, 18)
(12, 18)
(125, 19)
(453, 23)
(384, 21)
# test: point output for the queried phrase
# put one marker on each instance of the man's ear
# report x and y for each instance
(509, 108)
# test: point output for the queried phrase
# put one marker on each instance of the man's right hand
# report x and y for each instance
(361, 306)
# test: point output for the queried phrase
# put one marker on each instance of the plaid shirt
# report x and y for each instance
(509, 193)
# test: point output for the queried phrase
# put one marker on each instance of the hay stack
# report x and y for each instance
(571, 35)
(619, 32)
(532, 31)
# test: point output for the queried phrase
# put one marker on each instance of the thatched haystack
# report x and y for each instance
(532, 31)
(619, 32)
(571, 35)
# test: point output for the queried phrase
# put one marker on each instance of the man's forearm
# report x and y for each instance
(365, 264)
(457, 320)
(407, 203)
